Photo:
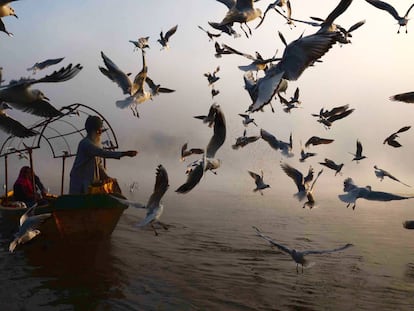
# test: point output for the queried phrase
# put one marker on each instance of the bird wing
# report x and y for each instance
(295, 175)
(228, 3)
(270, 139)
(404, 97)
(356, 26)
(115, 74)
(386, 7)
(338, 116)
(255, 176)
(193, 178)
(183, 149)
(128, 202)
(160, 187)
(303, 52)
(219, 135)
(358, 148)
(265, 237)
(63, 74)
(11, 126)
(46, 63)
(383, 196)
(403, 129)
(327, 250)
(265, 89)
(41, 108)
(408, 11)
(244, 4)
(338, 10)
(170, 32)
(234, 51)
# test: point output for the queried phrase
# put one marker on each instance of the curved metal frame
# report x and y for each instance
(12, 145)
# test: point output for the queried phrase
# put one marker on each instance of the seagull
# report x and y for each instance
(240, 11)
(135, 89)
(281, 4)
(304, 155)
(6, 10)
(402, 20)
(247, 119)
(211, 77)
(154, 207)
(220, 50)
(187, 152)
(327, 117)
(211, 115)
(315, 140)
(244, 140)
(156, 88)
(214, 92)
(332, 165)
(42, 65)
(163, 40)
(404, 97)
(358, 154)
(258, 179)
(259, 63)
(20, 96)
(298, 56)
(390, 140)
(284, 147)
(210, 35)
(299, 256)
(354, 192)
(29, 227)
(141, 44)
(197, 168)
(301, 182)
(380, 173)
(309, 194)
(11, 126)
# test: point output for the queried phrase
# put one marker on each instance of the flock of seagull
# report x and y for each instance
(265, 80)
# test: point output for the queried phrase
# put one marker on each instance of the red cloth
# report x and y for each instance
(24, 186)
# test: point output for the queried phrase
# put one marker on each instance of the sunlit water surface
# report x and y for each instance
(211, 259)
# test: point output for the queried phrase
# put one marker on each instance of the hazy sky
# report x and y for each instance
(363, 74)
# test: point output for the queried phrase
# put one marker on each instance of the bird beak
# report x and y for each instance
(46, 98)
(15, 16)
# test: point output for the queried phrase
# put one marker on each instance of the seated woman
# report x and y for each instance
(23, 188)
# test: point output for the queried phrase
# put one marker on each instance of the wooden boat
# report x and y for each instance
(74, 217)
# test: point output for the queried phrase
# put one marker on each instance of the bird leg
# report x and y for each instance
(241, 27)
(353, 206)
(165, 226)
(297, 268)
(153, 228)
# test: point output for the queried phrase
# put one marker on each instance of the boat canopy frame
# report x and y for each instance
(49, 131)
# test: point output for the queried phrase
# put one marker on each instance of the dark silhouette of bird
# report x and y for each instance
(332, 165)
(391, 140)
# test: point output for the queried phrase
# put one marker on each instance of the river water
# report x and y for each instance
(211, 259)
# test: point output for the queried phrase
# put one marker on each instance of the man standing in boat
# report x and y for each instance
(88, 168)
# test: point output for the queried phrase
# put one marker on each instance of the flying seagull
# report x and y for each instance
(402, 20)
(208, 162)
(141, 43)
(302, 182)
(185, 152)
(358, 154)
(353, 192)
(284, 147)
(42, 65)
(332, 165)
(299, 256)
(258, 179)
(240, 11)
(154, 207)
(404, 97)
(380, 173)
(390, 140)
(19, 95)
(244, 140)
(247, 119)
(29, 227)
(315, 140)
(210, 35)
(164, 39)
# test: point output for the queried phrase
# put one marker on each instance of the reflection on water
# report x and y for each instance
(211, 259)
